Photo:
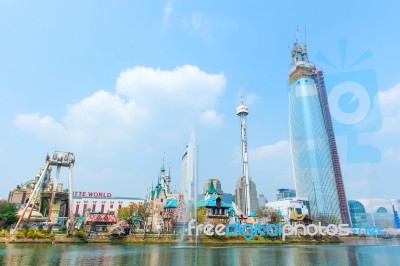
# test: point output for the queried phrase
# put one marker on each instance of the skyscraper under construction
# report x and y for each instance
(315, 159)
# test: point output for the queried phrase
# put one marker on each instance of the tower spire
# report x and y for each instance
(305, 35)
(163, 164)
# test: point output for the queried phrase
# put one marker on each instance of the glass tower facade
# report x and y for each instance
(315, 161)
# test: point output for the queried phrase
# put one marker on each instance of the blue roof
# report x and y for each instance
(211, 189)
(212, 202)
(157, 191)
(171, 203)
(232, 209)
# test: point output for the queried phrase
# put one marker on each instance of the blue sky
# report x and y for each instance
(121, 83)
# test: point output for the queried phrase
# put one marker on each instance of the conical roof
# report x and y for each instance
(211, 189)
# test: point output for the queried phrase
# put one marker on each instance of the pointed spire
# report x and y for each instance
(297, 35)
(163, 162)
(211, 189)
(241, 96)
(305, 35)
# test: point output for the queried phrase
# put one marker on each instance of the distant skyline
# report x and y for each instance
(122, 84)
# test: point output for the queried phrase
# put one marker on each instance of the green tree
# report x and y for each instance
(262, 213)
(8, 214)
(144, 211)
(125, 212)
(136, 213)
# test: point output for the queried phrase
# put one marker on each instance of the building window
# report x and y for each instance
(84, 208)
(77, 209)
(102, 208)
(94, 206)
(162, 200)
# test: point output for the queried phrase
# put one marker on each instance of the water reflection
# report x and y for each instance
(351, 253)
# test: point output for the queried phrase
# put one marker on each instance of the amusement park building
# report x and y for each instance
(374, 212)
(100, 202)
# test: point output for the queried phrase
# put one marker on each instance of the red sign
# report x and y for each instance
(92, 194)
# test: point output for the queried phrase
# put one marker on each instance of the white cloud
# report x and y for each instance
(167, 12)
(212, 118)
(390, 109)
(280, 149)
(104, 117)
(186, 86)
(251, 98)
(271, 167)
(144, 102)
(99, 120)
(44, 126)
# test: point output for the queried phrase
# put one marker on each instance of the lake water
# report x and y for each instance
(365, 252)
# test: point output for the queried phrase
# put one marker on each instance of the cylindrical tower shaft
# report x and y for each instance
(242, 111)
(245, 161)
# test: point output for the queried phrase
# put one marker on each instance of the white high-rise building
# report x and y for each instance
(189, 169)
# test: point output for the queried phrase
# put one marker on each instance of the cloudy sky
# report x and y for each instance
(121, 83)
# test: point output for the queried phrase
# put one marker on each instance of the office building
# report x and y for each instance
(240, 195)
(262, 200)
(285, 193)
(316, 166)
(189, 169)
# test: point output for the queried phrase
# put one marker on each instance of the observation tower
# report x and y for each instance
(242, 111)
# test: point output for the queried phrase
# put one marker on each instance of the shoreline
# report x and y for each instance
(175, 239)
